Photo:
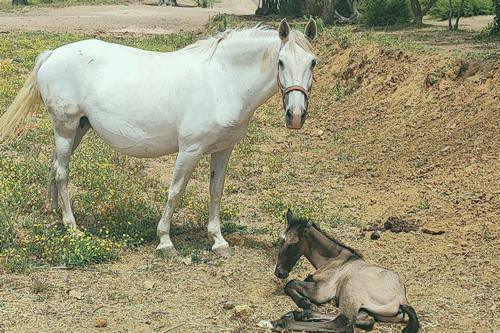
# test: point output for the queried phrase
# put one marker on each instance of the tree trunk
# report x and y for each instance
(419, 12)
(19, 2)
(460, 13)
(450, 14)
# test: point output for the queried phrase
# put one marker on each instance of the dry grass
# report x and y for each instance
(415, 136)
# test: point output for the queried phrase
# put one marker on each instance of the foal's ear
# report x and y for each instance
(284, 29)
(289, 217)
(311, 29)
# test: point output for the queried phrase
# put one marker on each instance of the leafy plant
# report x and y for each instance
(441, 9)
(385, 12)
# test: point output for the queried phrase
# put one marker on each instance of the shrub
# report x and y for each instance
(471, 7)
(385, 12)
(495, 29)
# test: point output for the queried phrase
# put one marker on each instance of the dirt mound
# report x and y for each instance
(416, 133)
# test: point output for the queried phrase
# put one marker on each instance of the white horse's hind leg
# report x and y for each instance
(218, 168)
(184, 167)
(52, 202)
(66, 121)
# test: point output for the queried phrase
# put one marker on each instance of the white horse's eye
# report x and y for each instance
(314, 63)
(280, 63)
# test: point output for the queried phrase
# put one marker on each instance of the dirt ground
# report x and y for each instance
(474, 23)
(400, 133)
(138, 17)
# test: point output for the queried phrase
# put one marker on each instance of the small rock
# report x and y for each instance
(76, 294)
(235, 239)
(494, 307)
(187, 261)
(432, 231)
(228, 305)
(375, 235)
(265, 324)
(149, 284)
(243, 311)
(320, 132)
(101, 322)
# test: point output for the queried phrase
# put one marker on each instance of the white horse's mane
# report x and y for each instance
(208, 46)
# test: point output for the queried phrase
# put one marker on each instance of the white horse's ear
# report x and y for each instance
(289, 216)
(284, 29)
(311, 29)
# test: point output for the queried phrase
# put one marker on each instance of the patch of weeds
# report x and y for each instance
(40, 286)
(231, 227)
(343, 36)
(342, 90)
(57, 245)
(16, 261)
(423, 204)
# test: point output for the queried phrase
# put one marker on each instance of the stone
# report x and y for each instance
(228, 305)
(243, 311)
(149, 284)
(101, 322)
(76, 294)
(375, 235)
(432, 231)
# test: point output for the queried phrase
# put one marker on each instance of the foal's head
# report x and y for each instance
(293, 244)
(296, 61)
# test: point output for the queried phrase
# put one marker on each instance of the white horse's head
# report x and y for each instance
(296, 61)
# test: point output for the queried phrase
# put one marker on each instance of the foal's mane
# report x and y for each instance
(302, 222)
(209, 46)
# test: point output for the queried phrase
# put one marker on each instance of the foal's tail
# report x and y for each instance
(25, 102)
(413, 324)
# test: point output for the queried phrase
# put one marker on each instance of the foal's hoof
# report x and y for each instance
(223, 251)
(167, 251)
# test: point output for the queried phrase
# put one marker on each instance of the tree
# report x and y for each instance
(452, 27)
(19, 2)
(495, 30)
(419, 13)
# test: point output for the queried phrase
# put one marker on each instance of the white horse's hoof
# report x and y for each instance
(223, 251)
(167, 250)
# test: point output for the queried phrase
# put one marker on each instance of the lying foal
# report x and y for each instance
(364, 293)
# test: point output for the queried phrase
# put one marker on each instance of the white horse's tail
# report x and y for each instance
(25, 102)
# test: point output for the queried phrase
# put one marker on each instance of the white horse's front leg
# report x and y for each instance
(218, 168)
(184, 166)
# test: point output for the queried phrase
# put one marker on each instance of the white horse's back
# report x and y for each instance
(127, 94)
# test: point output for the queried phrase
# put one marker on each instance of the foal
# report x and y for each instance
(364, 293)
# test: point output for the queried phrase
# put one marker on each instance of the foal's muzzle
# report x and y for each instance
(280, 272)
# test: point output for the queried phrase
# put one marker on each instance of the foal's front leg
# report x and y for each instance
(302, 292)
(184, 165)
(218, 168)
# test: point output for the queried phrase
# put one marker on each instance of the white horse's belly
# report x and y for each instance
(138, 140)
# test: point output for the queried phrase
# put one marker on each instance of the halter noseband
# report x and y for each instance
(284, 91)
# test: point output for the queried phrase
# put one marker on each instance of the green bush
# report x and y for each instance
(385, 12)
(471, 7)
(495, 29)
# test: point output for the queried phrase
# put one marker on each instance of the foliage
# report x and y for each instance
(471, 7)
(385, 12)
(205, 3)
(495, 29)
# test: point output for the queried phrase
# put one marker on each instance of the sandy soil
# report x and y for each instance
(145, 18)
(475, 23)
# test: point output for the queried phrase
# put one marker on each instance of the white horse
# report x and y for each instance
(195, 101)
